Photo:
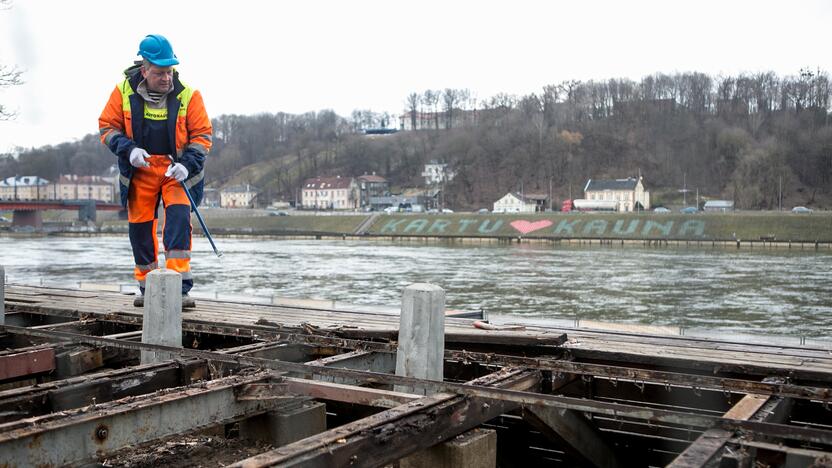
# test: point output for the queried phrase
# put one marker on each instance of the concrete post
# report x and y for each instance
(162, 313)
(421, 334)
(284, 426)
(2, 295)
(476, 448)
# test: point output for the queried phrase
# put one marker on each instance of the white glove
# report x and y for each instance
(177, 171)
(138, 157)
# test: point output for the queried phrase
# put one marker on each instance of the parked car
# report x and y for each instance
(483, 211)
(689, 210)
(4, 219)
(801, 209)
(447, 210)
(391, 209)
(660, 209)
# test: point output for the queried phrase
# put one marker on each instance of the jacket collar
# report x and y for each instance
(134, 77)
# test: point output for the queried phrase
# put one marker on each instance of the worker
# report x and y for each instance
(159, 131)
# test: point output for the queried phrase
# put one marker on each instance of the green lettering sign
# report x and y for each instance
(391, 226)
(464, 223)
(417, 225)
(663, 228)
(567, 227)
(599, 226)
(438, 226)
(693, 227)
(484, 229)
(631, 228)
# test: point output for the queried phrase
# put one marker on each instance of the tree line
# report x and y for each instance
(740, 138)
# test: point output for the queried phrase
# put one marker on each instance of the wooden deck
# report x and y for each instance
(550, 395)
(584, 343)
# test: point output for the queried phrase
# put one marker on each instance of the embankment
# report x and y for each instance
(719, 227)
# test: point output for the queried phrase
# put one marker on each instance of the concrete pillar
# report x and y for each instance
(476, 448)
(2, 295)
(421, 334)
(162, 313)
(27, 218)
(284, 426)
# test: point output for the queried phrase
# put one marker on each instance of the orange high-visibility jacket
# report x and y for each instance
(188, 125)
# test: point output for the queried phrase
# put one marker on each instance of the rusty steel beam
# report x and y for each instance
(575, 434)
(26, 361)
(77, 326)
(384, 363)
(75, 392)
(638, 376)
(395, 433)
(795, 456)
(709, 446)
(95, 431)
(641, 376)
(618, 410)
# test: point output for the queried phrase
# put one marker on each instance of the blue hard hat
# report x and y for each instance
(156, 49)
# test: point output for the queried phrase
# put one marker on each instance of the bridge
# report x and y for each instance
(28, 212)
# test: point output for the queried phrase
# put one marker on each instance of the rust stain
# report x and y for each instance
(100, 434)
(35, 443)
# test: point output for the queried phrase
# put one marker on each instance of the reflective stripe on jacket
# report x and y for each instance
(188, 128)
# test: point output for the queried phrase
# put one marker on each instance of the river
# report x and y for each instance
(741, 293)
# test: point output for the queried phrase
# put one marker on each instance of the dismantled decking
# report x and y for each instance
(320, 386)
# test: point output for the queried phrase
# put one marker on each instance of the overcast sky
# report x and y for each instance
(255, 56)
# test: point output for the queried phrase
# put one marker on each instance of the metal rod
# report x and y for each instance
(196, 212)
(199, 218)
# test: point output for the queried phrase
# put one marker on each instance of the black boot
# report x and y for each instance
(188, 302)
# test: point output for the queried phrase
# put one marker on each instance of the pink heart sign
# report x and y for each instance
(526, 227)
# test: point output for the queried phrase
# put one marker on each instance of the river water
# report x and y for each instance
(745, 293)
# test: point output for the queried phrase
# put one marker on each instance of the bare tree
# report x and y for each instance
(9, 75)
(450, 100)
(412, 102)
(431, 100)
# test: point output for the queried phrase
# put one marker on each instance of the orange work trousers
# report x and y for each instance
(149, 187)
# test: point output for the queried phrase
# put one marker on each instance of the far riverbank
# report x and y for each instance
(735, 229)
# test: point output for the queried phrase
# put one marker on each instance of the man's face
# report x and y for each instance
(159, 79)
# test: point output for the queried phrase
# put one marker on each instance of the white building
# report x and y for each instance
(629, 193)
(24, 188)
(238, 196)
(517, 203)
(75, 187)
(330, 193)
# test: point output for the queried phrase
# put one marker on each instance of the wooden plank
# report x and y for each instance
(348, 393)
(710, 445)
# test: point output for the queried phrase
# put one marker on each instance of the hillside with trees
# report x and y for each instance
(738, 137)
